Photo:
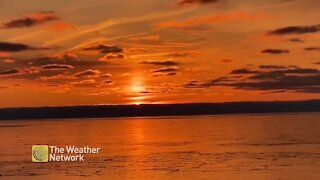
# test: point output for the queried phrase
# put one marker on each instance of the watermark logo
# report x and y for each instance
(40, 153)
(45, 153)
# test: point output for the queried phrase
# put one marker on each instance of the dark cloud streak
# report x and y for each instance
(290, 79)
(275, 51)
(312, 49)
(9, 72)
(161, 63)
(14, 47)
(166, 70)
(290, 30)
(56, 67)
(31, 20)
(104, 48)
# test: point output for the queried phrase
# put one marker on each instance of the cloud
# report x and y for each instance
(107, 82)
(84, 83)
(71, 59)
(312, 49)
(289, 78)
(227, 60)
(273, 67)
(18, 71)
(184, 2)
(104, 48)
(105, 75)
(87, 77)
(167, 71)
(224, 17)
(275, 51)
(10, 72)
(91, 73)
(244, 71)
(88, 73)
(297, 40)
(15, 47)
(91, 83)
(31, 20)
(171, 74)
(62, 26)
(180, 54)
(290, 30)
(161, 63)
(112, 56)
(164, 74)
(56, 67)
(137, 50)
(65, 58)
(83, 31)
(56, 77)
(192, 84)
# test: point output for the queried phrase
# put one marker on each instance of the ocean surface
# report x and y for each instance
(265, 146)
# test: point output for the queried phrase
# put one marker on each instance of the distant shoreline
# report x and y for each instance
(151, 110)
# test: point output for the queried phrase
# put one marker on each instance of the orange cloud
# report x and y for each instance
(61, 26)
(112, 56)
(228, 17)
(181, 54)
(18, 71)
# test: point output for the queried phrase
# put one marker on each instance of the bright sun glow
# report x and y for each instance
(138, 100)
(135, 89)
(137, 84)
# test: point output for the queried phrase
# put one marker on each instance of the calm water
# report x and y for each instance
(191, 147)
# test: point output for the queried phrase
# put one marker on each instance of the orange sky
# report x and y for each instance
(56, 53)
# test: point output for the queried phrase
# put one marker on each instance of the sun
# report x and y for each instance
(138, 100)
(136, 88)
(137, 84)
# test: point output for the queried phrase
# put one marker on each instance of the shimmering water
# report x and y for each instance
(285, 146)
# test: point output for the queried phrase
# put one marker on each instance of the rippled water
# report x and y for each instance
(270, 146)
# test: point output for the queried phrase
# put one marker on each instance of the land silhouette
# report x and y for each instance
(103, 111)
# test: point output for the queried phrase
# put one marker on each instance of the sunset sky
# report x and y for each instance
(77, 52)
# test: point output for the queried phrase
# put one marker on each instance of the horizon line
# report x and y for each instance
(143, 104)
